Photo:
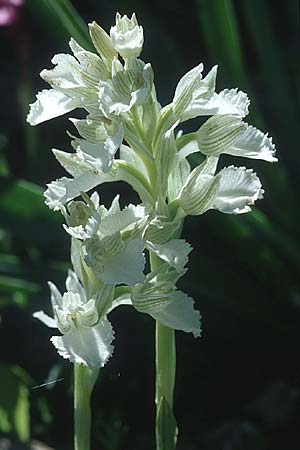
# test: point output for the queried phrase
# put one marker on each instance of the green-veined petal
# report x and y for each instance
(175, 252)
(180, 314)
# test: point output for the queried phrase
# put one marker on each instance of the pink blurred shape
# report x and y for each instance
(9, 11)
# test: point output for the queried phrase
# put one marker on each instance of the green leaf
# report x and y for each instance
(62, 20)
(23, 199)
(14, 291)
(220, 29)
(14, 403)
(166, 429)
(219, 24)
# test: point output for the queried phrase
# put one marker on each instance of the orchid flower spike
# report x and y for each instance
(126, 135)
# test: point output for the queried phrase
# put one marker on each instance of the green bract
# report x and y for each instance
(126, 135)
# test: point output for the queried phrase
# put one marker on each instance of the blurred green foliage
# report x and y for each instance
(14, 402)
(244, 271)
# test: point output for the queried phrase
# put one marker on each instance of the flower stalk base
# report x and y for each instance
(84, 381)
(166, 428)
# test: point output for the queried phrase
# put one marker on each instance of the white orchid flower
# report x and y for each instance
(128, 87)
(97, 146)
(74, 81)
(232, 191)
(127, 36)
(86, 337)
(159, 297)
(63, 190)
(195, 96)
(113, 243)
(229, 134)
(90, 166)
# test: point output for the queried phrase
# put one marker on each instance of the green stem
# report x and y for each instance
(84, 380)
(165, 363)
(165, 426)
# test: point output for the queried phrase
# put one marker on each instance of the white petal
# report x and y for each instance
(125, 267)
(62, 75)
(129, 155)
(102, 43)
(77, 232)
(65, 189)
(104, 297)
(184, 90)
(90, 346)
(95, 199)
(238, 189)
(90, 129)
(119, 96)
(98, 148)
(73, 285)
(72, 162)
(174, 252)
(229, 101)
(180, 314)
(76, 259)
(45, 319)
(178, 177)
(230, 135)
(253, 143)
(160, 230)
(199, 190)
(127, 36)
(122, 300)
(92, 68)
(114, 140)
(49, 104)
(113, 223)
(96, 156)
(193, 102)
(188, 149)
(219, 133)
(56, 297)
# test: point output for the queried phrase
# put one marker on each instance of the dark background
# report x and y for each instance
(238, 385)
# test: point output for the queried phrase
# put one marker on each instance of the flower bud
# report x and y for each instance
(127, 36)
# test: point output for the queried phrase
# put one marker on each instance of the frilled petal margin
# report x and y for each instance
(229, 134)
(50, 103)
(238, 189)
(253, 143)
(229, 101)
(65, 189)
(232, 191)
(180, 314)
(90, 346)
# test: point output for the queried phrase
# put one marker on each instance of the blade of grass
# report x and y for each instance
(278, 99)
(272, 61)
(62, 20)
(220, 29)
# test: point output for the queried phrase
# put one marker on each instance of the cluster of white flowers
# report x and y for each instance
(126, 135)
